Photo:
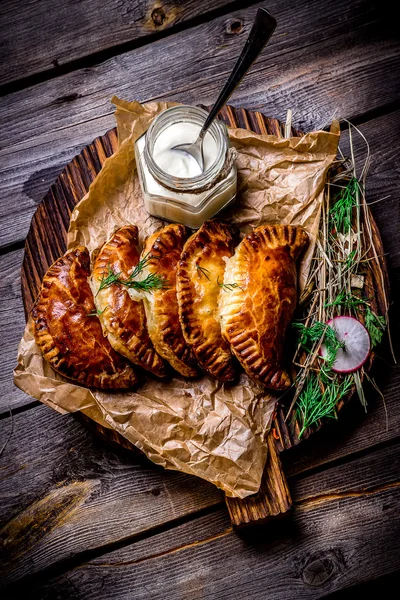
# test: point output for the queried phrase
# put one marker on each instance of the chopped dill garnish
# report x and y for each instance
(228, 287)
(319, 332)
(374, 323)
(317, 401)
(203, 271)
(342, 209)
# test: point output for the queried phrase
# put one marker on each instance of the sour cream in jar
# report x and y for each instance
(173, 186)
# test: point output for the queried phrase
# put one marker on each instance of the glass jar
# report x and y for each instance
(188, 200)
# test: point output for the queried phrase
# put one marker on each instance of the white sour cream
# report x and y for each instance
(181, 164)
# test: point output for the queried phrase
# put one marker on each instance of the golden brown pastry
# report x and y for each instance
(199, 279)
(163, 250)
(68, 331)
(256, 312)
(123, 318)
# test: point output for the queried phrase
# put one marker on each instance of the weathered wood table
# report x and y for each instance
(81, 520)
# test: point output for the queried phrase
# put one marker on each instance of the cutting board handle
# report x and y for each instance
(273, 498)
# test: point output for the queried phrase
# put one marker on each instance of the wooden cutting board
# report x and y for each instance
(46, 241)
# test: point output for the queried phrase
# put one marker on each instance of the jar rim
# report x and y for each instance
(182, 113)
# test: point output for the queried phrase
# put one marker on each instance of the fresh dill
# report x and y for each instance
(108, 279)
(228, 287)
(350, 259)
(342, 210)
(374, 323)
(203, 271)
(317, 401)
(153, 281)
(319, 332)
(97, 312)
(141, 265)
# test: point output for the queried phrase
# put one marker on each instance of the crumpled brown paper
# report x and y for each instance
(202, 427)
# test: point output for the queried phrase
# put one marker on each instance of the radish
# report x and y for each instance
(357, 344)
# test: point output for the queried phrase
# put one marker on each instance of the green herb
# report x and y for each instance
(342, 209)
(228, 287)
(151, 282)
(108, 279)
(203, 271)
(141, 265)
(374, 324)
(97, 312)
(350, 259)
(315, 403)
(319, 332)
(347, 301)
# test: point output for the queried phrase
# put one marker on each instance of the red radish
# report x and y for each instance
(357, 344)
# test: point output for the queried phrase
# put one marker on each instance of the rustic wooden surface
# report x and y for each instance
(109, 525)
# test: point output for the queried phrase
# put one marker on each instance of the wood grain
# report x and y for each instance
(273, 498)
(45, 126)
(88, 498)
(64, 492)
(12, 324)
(342, 534)
(75, 30)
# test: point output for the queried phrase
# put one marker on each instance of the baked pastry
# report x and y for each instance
(260, 305)
(68, 331)
(162, 252)
(200, 277)
(123, 318)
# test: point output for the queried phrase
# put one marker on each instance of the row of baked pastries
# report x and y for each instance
(198, 303)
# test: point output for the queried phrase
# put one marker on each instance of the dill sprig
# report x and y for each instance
(140, 266)
(228, 287)
(342, 209)
(108, 279)
(153, 281)
(375, 324)
(319, 332)
(350, 259)
(317, 401)
(97, 312)
(203, 271)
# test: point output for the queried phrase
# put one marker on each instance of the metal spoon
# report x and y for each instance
(263, 27)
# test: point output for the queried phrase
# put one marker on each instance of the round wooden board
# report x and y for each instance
(46, 240)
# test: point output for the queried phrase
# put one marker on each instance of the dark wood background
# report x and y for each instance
(81, 520)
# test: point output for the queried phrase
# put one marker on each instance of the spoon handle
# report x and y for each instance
(263, 27)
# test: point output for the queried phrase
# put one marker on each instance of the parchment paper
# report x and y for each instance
(202, 427)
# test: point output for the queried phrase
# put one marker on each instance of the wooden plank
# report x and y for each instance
(306, 70)
(383, 177)
(74, 30)
(12, 323)
(85, 496)
(344, 531)
(63, 492)
(271, 501)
